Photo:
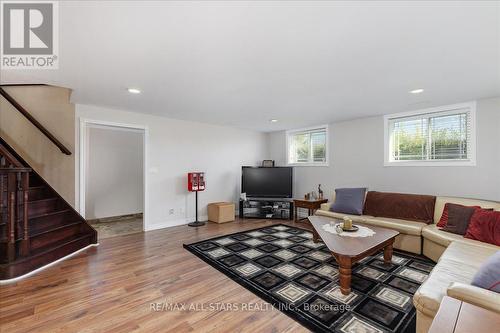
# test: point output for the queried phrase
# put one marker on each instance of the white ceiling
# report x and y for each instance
(303, 63)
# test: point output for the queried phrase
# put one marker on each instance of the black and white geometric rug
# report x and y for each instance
(283, 266)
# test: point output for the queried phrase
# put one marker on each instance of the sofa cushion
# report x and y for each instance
(354, 218)
(473, 253)
(403, 226)
(459, 263)
(326, 206)
(485, 226)
(488, 276)
(435, 234)
(428, 296)
(413, 207)
(349, 200)
(441, 202)
(458, 218)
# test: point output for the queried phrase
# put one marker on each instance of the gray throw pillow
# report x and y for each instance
(349, 200)
(488, 276)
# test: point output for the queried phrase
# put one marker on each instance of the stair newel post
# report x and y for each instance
(4, 213)
(3, 202)
(19, 201)
(25, 243)
(11, 208)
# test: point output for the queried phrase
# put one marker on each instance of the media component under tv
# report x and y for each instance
(262, 182)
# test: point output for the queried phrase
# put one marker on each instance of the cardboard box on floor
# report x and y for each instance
(221, 212)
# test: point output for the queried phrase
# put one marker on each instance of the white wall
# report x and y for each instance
(175, 147)
(357, 159)
(114, 172)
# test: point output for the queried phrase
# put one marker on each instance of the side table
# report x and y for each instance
(310, 205)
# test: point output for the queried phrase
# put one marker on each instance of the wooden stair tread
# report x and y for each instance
(40, 192)
(4, 239)
(52, 247)
(43, 200)
(60, 211)
(37, 232)
(49, 248)
(44, 256)
(38, 187)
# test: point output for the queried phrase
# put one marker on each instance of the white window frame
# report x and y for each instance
(289, 133)
(447, 108)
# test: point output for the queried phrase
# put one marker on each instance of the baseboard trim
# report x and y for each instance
(39, 269)
(116, 218)
(174, 223)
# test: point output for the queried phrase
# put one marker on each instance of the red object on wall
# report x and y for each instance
(196, 181)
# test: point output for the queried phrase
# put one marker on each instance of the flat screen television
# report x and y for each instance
(261, 182)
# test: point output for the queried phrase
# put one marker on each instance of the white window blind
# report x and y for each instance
(444, 135)
(308, 146)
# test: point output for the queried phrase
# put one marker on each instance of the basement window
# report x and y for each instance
(443, 136)
(308, 146)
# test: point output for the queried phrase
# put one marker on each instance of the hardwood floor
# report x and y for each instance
(111, 288)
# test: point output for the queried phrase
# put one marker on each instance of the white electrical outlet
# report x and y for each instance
(171, 211)
(181, 210)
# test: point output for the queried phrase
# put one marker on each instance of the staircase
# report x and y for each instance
(37, 226)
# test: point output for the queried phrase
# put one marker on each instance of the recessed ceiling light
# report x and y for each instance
(274, 120)
(416, 91)
(134, 91)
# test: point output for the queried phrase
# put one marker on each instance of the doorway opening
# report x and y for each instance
(112, 182)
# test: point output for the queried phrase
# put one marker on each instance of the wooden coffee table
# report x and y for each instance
(349, 250)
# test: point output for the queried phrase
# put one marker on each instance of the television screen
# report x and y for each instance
(267, 182)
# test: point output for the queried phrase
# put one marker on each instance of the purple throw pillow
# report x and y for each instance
(488, 276)
(349, 200)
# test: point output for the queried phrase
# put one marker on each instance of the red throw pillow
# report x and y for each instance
(484, 226)
(444, 218)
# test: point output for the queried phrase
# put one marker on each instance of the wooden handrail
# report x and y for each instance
(22, 84)
(35, 122)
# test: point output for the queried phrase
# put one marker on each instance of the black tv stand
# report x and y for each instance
(267, 208)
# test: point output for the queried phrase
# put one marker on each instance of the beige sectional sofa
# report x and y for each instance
(458, 258)
(452, 276)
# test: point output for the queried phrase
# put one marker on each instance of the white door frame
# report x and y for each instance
(84, 123)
